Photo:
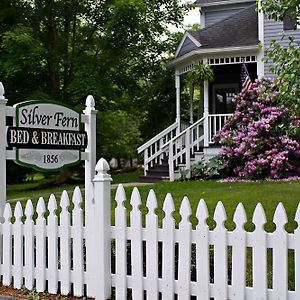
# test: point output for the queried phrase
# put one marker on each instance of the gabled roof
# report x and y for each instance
(187, 39)
(240, 29)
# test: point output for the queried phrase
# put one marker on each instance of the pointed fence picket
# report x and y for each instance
(8, 249)
(202, 254)
(52, 244)
(151, 248)
(121, 245)
(220, 254)
(29, 246)
(168, 242)
(18, 244)
(45, 248)
(136, 246)
(260, 287)
(65, 244)
(184, 245)
(239, 254)
(297, 254)
(78, 243)
(41, 246)
(280, 254)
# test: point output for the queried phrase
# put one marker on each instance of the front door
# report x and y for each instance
(222, 99)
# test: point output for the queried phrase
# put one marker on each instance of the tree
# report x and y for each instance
(277, 10)
(66, 49)
(118, 134)
(286, 65)
(285, 60)
(114, 49)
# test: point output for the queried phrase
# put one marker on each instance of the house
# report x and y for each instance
(232, 32)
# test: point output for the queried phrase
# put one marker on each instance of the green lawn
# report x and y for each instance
(31, 189)
(230, 193)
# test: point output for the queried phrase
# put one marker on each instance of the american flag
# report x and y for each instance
(246, 80)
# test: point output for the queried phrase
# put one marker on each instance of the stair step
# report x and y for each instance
(162, 166)
(152, 179)
(156, 172)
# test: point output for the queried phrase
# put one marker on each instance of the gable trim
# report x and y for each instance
(221, 3)
(212, 51)
(187, 35)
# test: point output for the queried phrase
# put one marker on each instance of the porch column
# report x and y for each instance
(206, 109)
(260, 56)
(191, 88)
(177, 86)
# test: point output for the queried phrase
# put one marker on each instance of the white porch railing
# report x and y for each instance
(182, 146)
(215, 124)
(153, 153)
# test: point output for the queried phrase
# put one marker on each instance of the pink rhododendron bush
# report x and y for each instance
(262, 139)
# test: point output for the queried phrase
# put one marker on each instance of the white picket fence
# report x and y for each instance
(49, 250)
(162, 259)
(146, 258)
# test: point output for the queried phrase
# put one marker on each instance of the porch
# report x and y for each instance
(183, 144)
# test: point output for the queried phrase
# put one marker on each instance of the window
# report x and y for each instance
(289, 22)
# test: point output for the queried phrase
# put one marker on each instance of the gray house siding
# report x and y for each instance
(273, 31)
(217, 15)
(187, 46)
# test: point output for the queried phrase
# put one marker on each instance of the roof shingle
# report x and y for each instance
(240, 29)
(208, 1)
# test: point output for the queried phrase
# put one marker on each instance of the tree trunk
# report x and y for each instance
(51, 44)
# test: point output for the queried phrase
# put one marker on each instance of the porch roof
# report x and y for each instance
(238, 30)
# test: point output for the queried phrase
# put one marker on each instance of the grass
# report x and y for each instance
(132, 176)
(31, 188)
(230, 193)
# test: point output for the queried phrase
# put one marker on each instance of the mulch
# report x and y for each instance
(13, 293)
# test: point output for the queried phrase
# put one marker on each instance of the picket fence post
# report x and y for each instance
(90, 162)
(101, 270)
(3, 102)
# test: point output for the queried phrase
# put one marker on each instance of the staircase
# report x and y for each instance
(157, 172)
(167, 152)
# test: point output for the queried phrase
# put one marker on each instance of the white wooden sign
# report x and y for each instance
(46, 135)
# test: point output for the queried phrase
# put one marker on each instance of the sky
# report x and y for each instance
(192, 17)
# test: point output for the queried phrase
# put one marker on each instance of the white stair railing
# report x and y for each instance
(215, 124)
(180, 147)
(183, 145)
(153, 152)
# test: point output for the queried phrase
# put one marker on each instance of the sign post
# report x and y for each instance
(47, 137)
(3, 102)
